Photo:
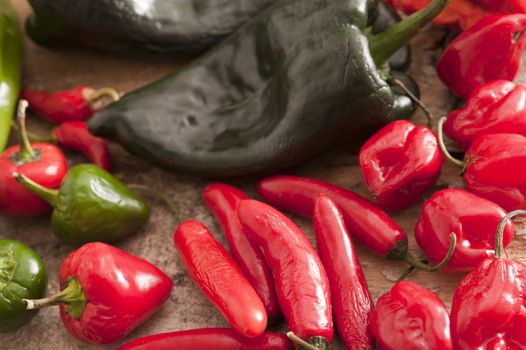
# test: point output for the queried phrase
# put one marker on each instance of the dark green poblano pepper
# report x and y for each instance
(91, 206)
(23, 275)
(299, 79)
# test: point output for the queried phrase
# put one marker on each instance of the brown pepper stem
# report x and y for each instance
(499, 236)
(429, 268)
(26, 152)
(443, 148)
(95, 97)
(419, 103)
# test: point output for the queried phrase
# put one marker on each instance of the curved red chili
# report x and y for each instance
(301, 281)
(223, 201)
(220, 279)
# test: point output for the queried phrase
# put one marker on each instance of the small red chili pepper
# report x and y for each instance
(106, 293)
(208, 338)
(351, 300)
(489, 306)
(41, 162)
(220, 279)
(490, 50)
(411, 317)
(77, 104)
(301, 281)
(223, 201)
(473, 219)
(399, 163)
(505, 6)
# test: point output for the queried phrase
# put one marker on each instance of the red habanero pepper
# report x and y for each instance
(399, 163)
(208, 338)
(106, 293)
(77, 104)
(41, 162)
(220, 279)
(490, 50)
(223, 201)
(301, 282)
(489, 305)
(351, 300)
(411, 317)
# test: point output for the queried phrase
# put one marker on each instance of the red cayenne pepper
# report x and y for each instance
(220, 279)
(301, 281)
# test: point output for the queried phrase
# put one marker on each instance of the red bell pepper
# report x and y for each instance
(301, 281)
(473, 219)
(220, 279)
(490, 50)
(223, 201)
(41, 162)
(351, 300)
(210, 338)
(399, 163)
(411, 317)
(489, 305)
(106, 293)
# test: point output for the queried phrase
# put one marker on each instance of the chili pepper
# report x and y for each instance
(223, 201)
(22, 275)
(351, 300)
(399, 163)
(508, 6)
(279, 79)
(77, 104)
(208, 338)
(490, 50)
(411, 317)
(42, 162)
(106, 293)
(91, 206)
(301, 281)
(220, 279)
(11, 51)
(488, 310)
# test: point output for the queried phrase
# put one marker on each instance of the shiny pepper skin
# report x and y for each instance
(490, 50)
(410, 317)
(399, 163)
(507, 6)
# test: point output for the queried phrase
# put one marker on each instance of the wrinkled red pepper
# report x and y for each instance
(106, 293)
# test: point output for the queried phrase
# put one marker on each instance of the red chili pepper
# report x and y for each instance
(106, 293)
(301, 281)
(490, 50)
(351, 300)
(77, 104)
(489, 306)
(208, 338)
(41, 162)
(473, 219)
(220, 279)
(223, 201)
(399, 163)
(411, 317)
(505, 6)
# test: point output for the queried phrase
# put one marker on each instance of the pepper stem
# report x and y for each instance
(443, 148)
(416, 100)
(384, 45)
(173, 207)
(429, 268)
(499, 246)
(26, 150)
(94, 98)
(35, 137)
(315, 343)
(47, 194)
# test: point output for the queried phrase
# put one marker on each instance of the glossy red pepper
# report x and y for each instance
(301, 281)
(208, 338)
(505, 6)
(473, 219)
(223, 201)
(399, 163)
(77, 104)
(41, 162)
(490, 50)
(106, 293)
(489, 306)
(220, 279)
(351, 300)
(411, 317)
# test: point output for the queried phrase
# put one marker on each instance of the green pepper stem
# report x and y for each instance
(318, 343)
(173, 207)
(499, 236)
(26, 150)
(47, 194)
(416, 100)
(94, 98)
(429, 268)
(443, 148)
(406, 273)
(35, 137)
(385, 44)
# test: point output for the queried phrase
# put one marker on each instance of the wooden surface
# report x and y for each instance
(187, 308)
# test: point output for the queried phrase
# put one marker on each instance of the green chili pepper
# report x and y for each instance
(91, 206)
(10, 68)
(22, 276)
